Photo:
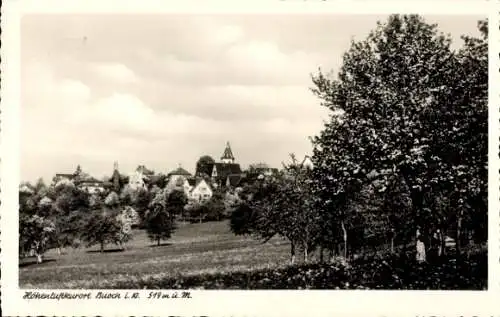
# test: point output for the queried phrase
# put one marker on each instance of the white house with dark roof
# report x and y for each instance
(200, 191)
(80, 179)
(178, 179)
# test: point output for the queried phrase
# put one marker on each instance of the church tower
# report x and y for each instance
(115, 178)
(227, 156)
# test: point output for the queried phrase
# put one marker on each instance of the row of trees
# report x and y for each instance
(403, 158)
(63, 215)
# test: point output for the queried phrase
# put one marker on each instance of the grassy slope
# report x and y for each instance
(194, 248)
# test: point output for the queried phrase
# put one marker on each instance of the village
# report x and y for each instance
(225, 175)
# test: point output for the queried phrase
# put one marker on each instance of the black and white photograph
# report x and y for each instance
(253, 152)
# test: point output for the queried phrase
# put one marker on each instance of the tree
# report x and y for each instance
(45, 207)
(243, 219)
(127, 195)
(159, 221)
(68, 197)
(35, 234)
(231, 201)
(159, 180)
(253, 168)
(68, 229)
(282, 206)
(202, 165)
(397, 103)
(102, 227)
(195, 210)
(468, 138)
(112, 200)
(215, 208)
(125, 218)
(141, 201)
(176, 200)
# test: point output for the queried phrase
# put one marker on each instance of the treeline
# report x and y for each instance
(402, 162)
(63, 215)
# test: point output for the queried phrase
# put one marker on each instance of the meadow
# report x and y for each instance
(194, 249)
(209, 256)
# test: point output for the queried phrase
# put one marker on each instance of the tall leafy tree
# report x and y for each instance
(396, 104)
(282, 206)
(176, 200)
(202, 165)
(160, 222)
(102, 227)
(35, 234)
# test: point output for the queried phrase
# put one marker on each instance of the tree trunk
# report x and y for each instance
(306, 251)
(102, 247)
(442, 246)
(321, 258)
(458, 243)
(345, 238)
(420, 246)
(392, 244)
(58, 250)
(39, 258)
(292, 253)
(158, 242)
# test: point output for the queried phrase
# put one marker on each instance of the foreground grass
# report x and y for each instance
(209, 256)
(194, 249)
(388, 272)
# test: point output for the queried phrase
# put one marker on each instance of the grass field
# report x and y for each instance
(194, 249)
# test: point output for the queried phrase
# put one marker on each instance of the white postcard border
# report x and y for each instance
(236, 303)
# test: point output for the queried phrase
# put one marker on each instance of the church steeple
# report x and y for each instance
(115, 178)
(227, 156)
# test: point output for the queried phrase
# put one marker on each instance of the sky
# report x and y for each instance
(163, 90)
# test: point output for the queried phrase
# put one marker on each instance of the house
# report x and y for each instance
(80, 179)
(260, 171)
(225, 172)
(221, 172)
(63, 177)
(178, 180)
(91, 185)
(136, 181)
(200, 191)
(195, 188)
(140, 178)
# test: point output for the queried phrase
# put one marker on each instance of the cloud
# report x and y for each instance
(116, 72)
(73, 90)
(120, 111)
(227, 34)
(165, 89)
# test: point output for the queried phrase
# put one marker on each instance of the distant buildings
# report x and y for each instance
(178, 179)
(200, 190)
(81, 180)
(223, 175)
